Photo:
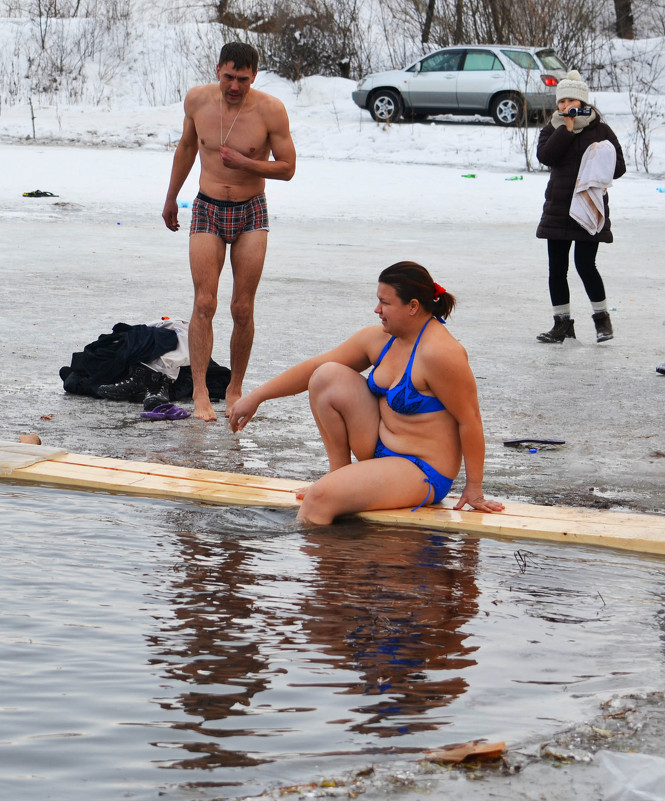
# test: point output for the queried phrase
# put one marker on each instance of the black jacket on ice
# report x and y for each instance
(110, 357)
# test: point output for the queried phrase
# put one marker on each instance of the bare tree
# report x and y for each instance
(427, 27)
(564, 24)
(646, 106)
(43, 12)
(624, 15)
(458, 37)
(299, 37)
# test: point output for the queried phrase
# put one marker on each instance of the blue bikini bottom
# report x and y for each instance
(438, 484)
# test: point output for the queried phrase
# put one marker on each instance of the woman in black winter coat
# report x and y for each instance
(561, 146)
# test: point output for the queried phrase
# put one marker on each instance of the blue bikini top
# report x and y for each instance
(404, 398)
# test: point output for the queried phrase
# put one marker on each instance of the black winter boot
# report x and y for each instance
(563, 328)
(140, 382)
(157, 392)
(132, 388)
(603, 326)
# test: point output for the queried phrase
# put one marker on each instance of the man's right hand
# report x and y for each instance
(170, 215)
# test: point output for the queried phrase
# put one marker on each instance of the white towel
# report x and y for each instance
(171, 362)
(18, 454)
(593, 180)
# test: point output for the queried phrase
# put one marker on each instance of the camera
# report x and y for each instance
(578, 112)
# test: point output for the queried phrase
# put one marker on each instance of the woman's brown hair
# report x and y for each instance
(412, 281)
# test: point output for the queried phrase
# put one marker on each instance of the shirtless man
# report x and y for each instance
(234, 129)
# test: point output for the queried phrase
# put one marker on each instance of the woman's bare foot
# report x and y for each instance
(300, 493)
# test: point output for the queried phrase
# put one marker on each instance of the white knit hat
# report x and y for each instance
(572, 86)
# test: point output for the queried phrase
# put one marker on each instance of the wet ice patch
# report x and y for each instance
(632, 777)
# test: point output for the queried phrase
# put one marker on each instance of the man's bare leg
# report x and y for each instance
(247, 257)
(206, 258)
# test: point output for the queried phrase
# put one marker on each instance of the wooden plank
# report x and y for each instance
(603, 530)
(128, 482)
(583, 514)
(559, 513)
(175, 471)
(625, 530)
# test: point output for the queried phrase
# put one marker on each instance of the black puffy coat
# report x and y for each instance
(562, 150)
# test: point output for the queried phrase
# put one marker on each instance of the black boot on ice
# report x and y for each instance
(157, 391)
(563, 328)
(133, 388)
(603, 326)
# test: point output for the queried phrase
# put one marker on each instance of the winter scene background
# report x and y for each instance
(115, 72)
(158, 649)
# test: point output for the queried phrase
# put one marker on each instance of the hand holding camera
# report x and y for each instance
(577, 112)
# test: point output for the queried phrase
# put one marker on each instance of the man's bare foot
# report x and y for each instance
(231, 398)
(204, 411)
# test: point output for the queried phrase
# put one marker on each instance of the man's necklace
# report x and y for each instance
(221, 118)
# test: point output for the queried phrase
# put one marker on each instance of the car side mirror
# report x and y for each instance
(417, 67)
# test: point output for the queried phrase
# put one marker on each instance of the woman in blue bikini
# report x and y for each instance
(409, 423)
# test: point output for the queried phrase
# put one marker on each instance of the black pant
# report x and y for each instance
(585, 262)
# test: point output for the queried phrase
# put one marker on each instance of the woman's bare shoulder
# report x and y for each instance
(369, 338)
(443, 344)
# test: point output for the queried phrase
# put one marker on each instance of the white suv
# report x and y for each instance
(505, 82)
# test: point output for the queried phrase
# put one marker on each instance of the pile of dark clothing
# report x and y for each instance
(115, 366)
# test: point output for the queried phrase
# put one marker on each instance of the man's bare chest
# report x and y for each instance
(241, 129)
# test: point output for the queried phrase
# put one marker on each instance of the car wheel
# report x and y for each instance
(508, 109)
(385, 105)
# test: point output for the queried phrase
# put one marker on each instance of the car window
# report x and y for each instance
(443, 61)
(477, 60)
(551, 61)
(522, 59)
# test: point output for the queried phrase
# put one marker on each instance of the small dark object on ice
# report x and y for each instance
(39, 193)
(512, 443)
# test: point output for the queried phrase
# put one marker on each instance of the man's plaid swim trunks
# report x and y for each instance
(227, 218)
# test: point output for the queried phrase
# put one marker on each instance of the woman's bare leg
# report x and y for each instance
(387, 483)
(346, 413)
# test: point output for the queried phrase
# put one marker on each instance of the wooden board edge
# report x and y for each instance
(178, 471)
(602, 528)
(151, 486)
(506, 526)
(514, 508)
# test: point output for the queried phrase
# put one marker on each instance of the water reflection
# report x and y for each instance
(280, 655)
(371, 620)
(391, 607)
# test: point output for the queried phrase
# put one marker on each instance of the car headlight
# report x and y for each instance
(361, 83)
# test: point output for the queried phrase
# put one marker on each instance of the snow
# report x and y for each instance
(366, 168)
(329, 128)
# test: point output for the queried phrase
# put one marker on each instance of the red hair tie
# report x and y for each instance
(438, 291)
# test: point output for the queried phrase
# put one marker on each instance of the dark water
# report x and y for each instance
(155, 650)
